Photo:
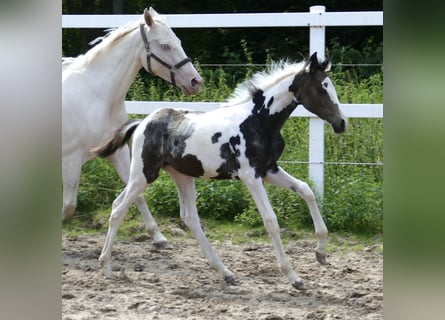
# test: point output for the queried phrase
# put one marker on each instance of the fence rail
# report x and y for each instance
(239, 20)
(316, 20)
(352, 110)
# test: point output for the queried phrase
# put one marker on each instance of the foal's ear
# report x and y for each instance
(326, 65)
(312, 64)
(148, 16)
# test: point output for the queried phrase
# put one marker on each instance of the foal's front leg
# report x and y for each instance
(189, 214)
(282, 179)
(259, 195)
(119, 209)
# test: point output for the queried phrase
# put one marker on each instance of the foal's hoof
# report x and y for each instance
(321, 258)
(299, 285)
(107, 272)
(230, 280)
(160, 245)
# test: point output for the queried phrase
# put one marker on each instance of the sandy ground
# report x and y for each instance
(178, 284)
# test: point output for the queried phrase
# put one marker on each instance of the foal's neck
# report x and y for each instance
(275, 104)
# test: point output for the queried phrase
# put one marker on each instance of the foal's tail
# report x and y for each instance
(117, 139)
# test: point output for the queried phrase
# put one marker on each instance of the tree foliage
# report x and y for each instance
(224, 45)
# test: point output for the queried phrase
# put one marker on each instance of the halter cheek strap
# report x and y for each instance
(151, 55)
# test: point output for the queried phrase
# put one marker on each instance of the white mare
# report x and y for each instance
(94, 86)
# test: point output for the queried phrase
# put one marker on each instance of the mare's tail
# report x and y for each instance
(117, 139)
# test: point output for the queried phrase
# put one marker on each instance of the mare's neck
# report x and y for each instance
(114, 70)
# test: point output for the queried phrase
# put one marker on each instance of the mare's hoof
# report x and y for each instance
(321, 258)
(298, 285)
(230, 280)
(160, 245)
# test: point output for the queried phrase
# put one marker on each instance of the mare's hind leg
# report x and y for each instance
(71, 167)
(119, 210)
(189, 214)
(121, 162)
(282, 179)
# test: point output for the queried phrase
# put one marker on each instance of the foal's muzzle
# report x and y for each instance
(341, 126)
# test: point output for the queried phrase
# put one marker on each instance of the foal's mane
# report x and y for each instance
(108, 41)
(264, 80)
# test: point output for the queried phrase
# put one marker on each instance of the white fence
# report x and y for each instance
(316, 20)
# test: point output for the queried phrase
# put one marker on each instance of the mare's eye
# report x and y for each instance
(165, 46)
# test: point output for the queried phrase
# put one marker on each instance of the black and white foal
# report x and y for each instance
(240, 140)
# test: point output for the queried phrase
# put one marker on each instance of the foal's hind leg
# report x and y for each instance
(119, 210)
(121, 162)
(189, 214)
(282, 179)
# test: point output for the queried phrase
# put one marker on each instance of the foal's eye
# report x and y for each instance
(321, 90)
(165, 46)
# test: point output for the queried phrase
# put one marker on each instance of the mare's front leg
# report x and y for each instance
(189, 214)
(282, 179)
(121, 162)
(259, 195)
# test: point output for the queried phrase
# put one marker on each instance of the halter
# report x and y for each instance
(165, 64)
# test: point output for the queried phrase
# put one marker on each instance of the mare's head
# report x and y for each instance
(313, 88)
(164, 55)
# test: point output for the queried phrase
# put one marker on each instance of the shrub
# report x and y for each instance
(354, 201)
(162, 197)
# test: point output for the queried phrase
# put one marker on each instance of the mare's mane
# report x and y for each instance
(106, 42)
(263, 80)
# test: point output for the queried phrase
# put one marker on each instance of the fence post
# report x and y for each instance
(316, 125)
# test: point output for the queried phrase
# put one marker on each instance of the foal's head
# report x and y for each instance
(313, 88)
(165, 56)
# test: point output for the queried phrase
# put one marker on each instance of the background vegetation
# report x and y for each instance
(353, 193)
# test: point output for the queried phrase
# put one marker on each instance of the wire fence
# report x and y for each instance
(316, 20)
(380, 163)
(247, 65)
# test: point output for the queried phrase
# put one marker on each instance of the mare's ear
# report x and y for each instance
(148, 16)
(153, 12)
